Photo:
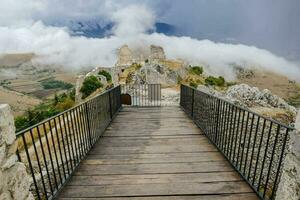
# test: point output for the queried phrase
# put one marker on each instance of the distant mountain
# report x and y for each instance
(98, 29)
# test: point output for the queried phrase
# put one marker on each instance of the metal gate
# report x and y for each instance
(141, 95)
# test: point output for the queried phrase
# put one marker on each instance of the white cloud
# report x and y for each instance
(55, 46)
(132, 20)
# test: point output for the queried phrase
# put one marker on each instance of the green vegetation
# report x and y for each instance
(106, 74)
(4, 82)
(45, 110)
(193, 84)
(179, 79)
(294, 101)
(136, 66)
(220, 81)
(90, 85)
(196, 70)
(55, 84)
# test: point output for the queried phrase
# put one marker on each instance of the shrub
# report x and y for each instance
(193, 84)
(106, 74)
(220, 81)
(44, 110)
(197, 70)
(90, 84)
(179, 79)
(54, 84)
(64, 105)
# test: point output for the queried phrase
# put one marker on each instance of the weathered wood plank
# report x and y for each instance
(243, 196)
(156, 189)
(152, 168)
(153, 158)
(152, 154)
(155, 178)
(152, 149)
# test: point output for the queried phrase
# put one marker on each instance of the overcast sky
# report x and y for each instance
(270, 24)
(219, 34)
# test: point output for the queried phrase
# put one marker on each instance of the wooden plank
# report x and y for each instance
(152, 149)
(243, 196)
(152, 142)
(152, 168)
(152, 154)
(154, 178)
(156, 189)
(153, 158)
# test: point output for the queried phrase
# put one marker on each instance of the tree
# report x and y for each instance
(106, 74)
(90, 84)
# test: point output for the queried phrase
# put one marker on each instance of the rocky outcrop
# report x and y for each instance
(248, 96)
(14, 180)
(289, 185)
(157, 53)
(125, 57)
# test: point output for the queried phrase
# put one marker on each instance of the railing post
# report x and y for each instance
(110, 107)
(181, 88)
(217, 121)
(193, 94)
(88, 123)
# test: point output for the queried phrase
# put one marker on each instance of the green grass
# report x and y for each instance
(294, 101)
(45, 110)
(56, 84)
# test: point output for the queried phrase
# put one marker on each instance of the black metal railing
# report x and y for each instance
(143, 94)
(52, 149)
(253, 144)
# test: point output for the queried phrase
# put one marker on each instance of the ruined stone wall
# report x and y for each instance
(289, 185)
(14, 180)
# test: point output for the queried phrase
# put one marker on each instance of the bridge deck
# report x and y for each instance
(155, 153)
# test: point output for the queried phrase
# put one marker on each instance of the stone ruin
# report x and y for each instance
(127, 57)
(14, 180)
(156, 54)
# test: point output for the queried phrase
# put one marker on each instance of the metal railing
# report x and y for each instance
(52, 149)
(143, 94)
(253, 144)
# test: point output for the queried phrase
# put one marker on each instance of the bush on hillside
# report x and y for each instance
(45, 110)
(90, 85)
(194, 85)
(220, 81)
(106, 74)
(55, 84)
(197, 70)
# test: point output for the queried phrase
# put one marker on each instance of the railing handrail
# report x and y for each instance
(19, 133)
(243, 108)
(254, 145)
(59, 143)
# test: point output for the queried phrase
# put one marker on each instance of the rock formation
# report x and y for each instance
(251, 96)
(289, 185)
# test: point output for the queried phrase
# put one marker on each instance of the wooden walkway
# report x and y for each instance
(151, 154)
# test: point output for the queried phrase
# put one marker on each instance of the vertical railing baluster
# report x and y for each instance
(192, 105)
(88, 124)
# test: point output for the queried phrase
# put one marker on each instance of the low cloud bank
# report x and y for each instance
(55, 46)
